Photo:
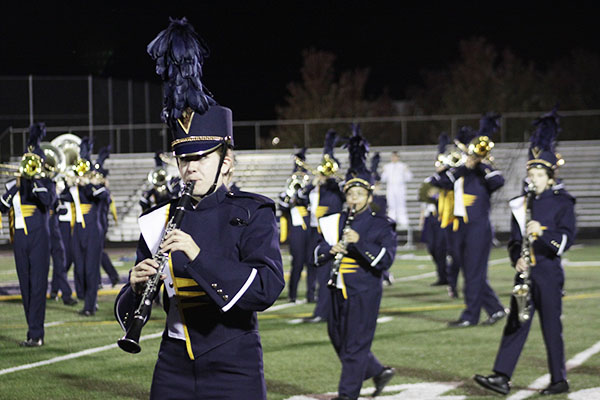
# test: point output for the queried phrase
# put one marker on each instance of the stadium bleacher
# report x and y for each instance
(266, 171)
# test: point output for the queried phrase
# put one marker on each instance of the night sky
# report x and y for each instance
(256, 46)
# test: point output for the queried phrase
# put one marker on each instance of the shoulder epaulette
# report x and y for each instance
(249, 195)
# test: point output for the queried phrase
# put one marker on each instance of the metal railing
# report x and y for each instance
(396, 130)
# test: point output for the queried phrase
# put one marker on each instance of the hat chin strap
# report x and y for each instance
(214, 185)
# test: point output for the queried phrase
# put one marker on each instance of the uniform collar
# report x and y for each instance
(212, 199)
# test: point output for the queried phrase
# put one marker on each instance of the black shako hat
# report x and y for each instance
(198, 124)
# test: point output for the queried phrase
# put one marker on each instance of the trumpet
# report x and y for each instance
(30, 167)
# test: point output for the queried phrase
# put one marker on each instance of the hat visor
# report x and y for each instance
(196, 147)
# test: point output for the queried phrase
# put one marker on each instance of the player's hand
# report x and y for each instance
(178, 240)
(141, 273)
(521, 265)
(534, 228)
(351, 236)
(338, 248)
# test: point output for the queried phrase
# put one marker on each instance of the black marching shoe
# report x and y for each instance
(497, 383)
(460, 323)
(556, 388)
(54, 296)
(382, 379)
(495, 317)
(452, 292)
(32, 342)
(70, 301)
(86, 313)
(341, 398)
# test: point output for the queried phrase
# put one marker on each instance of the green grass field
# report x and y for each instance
(299, 360)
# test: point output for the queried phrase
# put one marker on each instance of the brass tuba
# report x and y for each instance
(68, 143)
(55, 160)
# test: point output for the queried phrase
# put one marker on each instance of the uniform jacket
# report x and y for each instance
(554, 209)
(472, 189)
(374, 252)
(214, 298)
(329, 199)
(28, 205)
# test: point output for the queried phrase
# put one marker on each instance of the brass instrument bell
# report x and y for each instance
(55, 160)
(158, 177)
(481, 146)
(68, 143)
(328, 166)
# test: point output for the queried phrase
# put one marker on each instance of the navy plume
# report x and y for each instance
(158, 162)
(301, 154)
(489, 124)
(358, 148)
(465, 135)
(443, 142)
(179, 54)
(85, 148)
(374, 165)
(330, 141)
(37, 132)
(103, 154)
(547, 129)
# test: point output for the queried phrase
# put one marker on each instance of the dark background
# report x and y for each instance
(256, 46)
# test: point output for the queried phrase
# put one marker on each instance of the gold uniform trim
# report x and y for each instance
(28, 210)
(200, 139)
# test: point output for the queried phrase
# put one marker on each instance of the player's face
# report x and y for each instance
(357, 197)
(540, 179)
(201, 169)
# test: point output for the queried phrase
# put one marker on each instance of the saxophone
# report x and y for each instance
(130, 342)
(522, 289)
(337, 262)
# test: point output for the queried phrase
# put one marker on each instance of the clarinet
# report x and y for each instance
(130, 342)
(522, 289)
(337, 262)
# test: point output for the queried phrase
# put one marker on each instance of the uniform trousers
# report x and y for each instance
(351, 327)
(87, 249)
(547, 280)
(32, 259)
(452, 265)
(231, 371)
(472, 245)
(300, 250)
(59, 270)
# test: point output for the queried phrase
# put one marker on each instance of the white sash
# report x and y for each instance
(459, 204)
(19, 219)
(297, 219)
(75, 194)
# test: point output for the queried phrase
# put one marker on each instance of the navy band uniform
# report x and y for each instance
(211, 345)
(28, 201)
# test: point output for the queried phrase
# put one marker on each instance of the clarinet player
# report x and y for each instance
(225, 263)
(368, 244)
(551, 231)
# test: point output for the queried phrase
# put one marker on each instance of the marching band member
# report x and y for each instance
(28, 199)
(295, 222)
(325, 197)
(87, 239)
(473, 184)
(58, 251)
(379, 206)
(225, 263)
(363, 245)
(550, 232)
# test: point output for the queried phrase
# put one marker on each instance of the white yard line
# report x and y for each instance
(72, 355)
(544, 380)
